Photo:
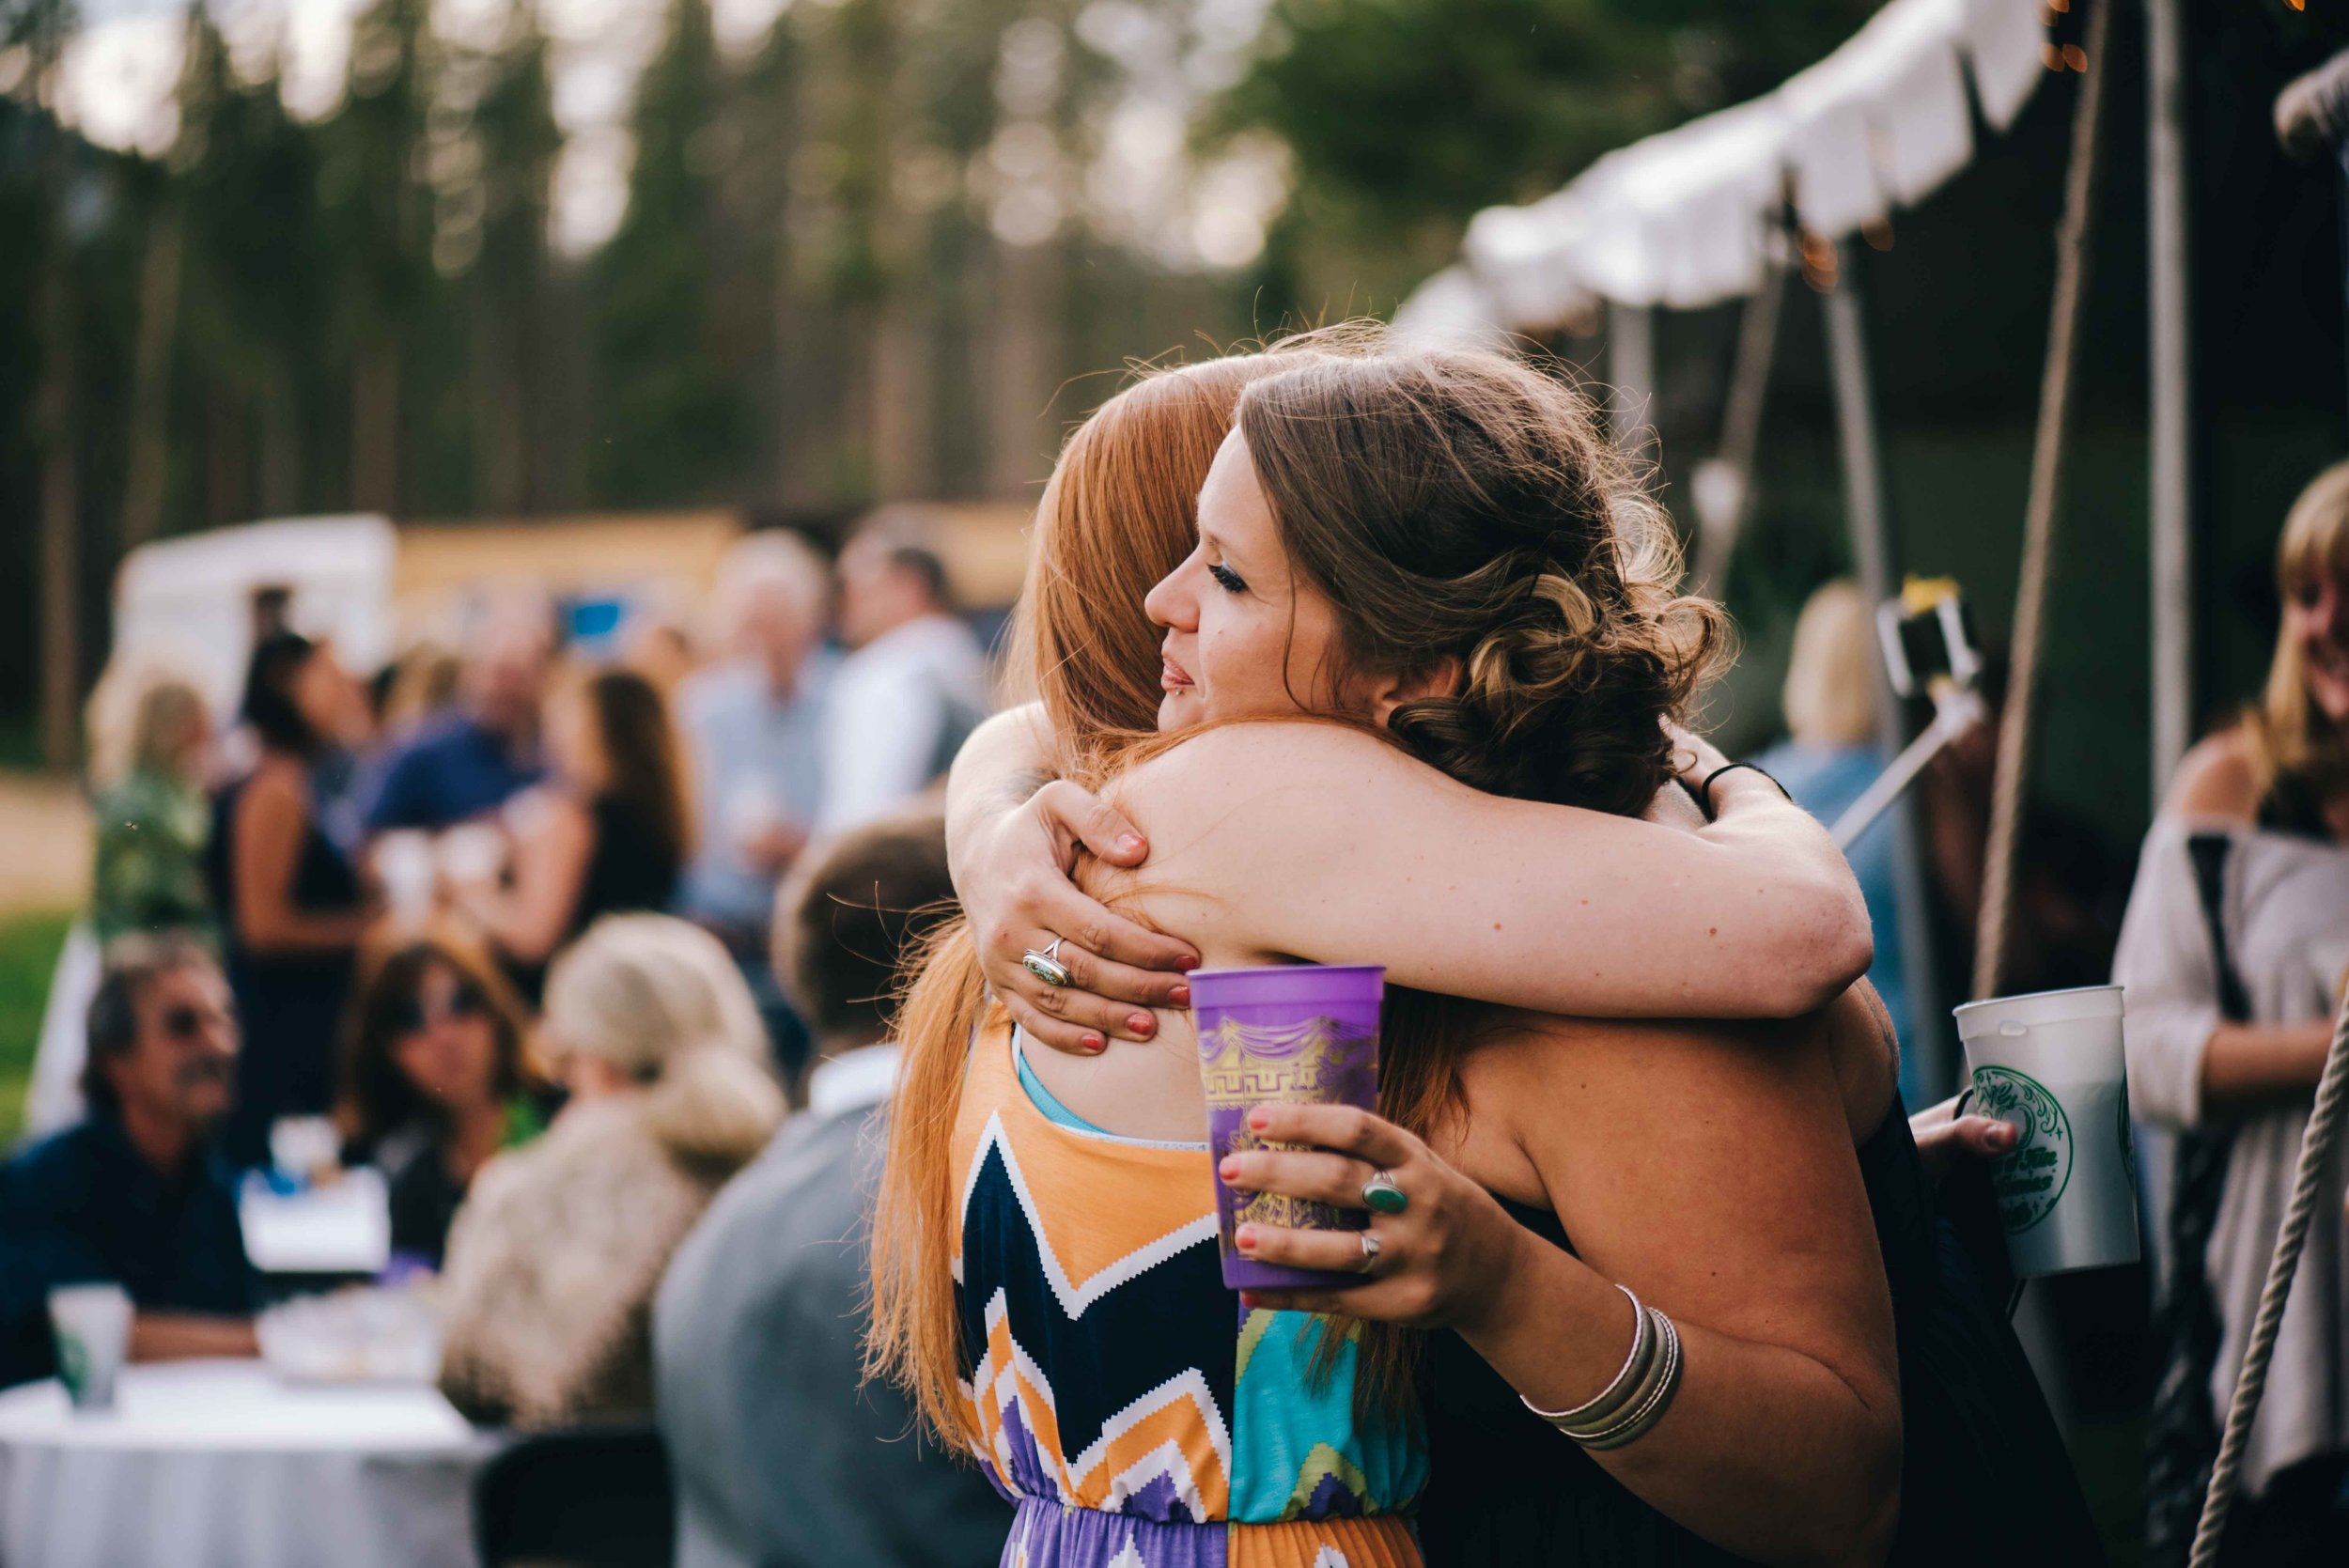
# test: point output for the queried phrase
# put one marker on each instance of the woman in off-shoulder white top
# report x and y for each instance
(2264, 810)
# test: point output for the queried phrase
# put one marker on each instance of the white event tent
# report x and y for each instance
(1696, 216)
(1688, 218)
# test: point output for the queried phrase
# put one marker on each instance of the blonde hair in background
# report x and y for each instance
(1830, 694)
(137, 712)
(2289, 735)
(661, 1000)
(424, 679)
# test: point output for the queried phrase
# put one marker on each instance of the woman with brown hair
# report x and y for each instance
(437, 1079)
(610, 832)
(2235, 951)
(1497, 570)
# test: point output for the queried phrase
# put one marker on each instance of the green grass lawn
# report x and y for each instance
(29, 942)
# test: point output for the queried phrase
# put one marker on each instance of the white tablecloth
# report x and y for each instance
(219, 1464)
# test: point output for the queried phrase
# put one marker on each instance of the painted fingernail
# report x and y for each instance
(1094, 1044)
(1229, 1170)
(1190, 960)
(1245, 1238)
(1132, 845)
(1141, 1023)
(1179, 995)
(1248, 1299)
(1260, 1118)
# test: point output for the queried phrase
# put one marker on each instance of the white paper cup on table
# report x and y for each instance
(92, 1324)
(2052, 1065)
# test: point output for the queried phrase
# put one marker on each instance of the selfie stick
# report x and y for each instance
(1956, 711)
(1953, 664)
(2311, 122)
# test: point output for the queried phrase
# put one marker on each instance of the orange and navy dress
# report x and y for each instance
(1134, 1413)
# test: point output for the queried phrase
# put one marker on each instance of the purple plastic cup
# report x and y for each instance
(1296, 1034)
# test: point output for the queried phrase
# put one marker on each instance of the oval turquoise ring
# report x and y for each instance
(1381, 1194)
(1045, 966)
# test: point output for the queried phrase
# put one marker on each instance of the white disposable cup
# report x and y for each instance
(403, 858)
(2052, 1064)
(92, 1324)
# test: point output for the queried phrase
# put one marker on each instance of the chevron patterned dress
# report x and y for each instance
(1133, 1412)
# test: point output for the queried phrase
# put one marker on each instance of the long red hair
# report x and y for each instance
(1121, 512)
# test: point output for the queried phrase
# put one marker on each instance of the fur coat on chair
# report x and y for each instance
(554, 1259)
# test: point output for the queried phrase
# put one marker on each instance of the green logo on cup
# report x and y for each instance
(2030, 1180)
(73, 1368)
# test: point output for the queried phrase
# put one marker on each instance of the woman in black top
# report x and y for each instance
(1985, 1475)
(438, 1079)
(610, 832)
(288, 896)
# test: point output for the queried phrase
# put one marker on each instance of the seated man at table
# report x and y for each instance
(134, 1194)
(780, 1458)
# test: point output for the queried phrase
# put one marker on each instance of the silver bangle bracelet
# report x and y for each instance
(1650, 1410)
(1617, 1393)
(1660, 1370)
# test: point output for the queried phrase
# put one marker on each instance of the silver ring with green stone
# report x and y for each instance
(1383, 1196)
(1045, 966)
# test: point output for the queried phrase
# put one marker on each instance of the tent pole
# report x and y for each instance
(2047, 488)
(2173, 620)
(1630, 371)
(1872, 551)
(1741, 430)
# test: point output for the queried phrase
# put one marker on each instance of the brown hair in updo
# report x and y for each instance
(1458, 505)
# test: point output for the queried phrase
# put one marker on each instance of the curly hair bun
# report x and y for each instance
(1461, 505)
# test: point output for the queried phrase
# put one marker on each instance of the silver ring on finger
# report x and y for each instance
(1046, 965)
(1370, 1253)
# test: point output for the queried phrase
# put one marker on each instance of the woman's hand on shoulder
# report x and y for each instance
(1439, 1260)
(1019, 897)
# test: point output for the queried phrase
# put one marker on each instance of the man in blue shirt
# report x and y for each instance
(473, 761)
(752, 727)
(134, 1195)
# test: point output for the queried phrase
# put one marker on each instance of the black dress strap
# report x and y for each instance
(2182, 1428)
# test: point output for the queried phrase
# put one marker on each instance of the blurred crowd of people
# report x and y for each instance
(504, 900)
(558, 943)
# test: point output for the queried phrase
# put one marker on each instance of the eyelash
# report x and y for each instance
(1226, 578)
